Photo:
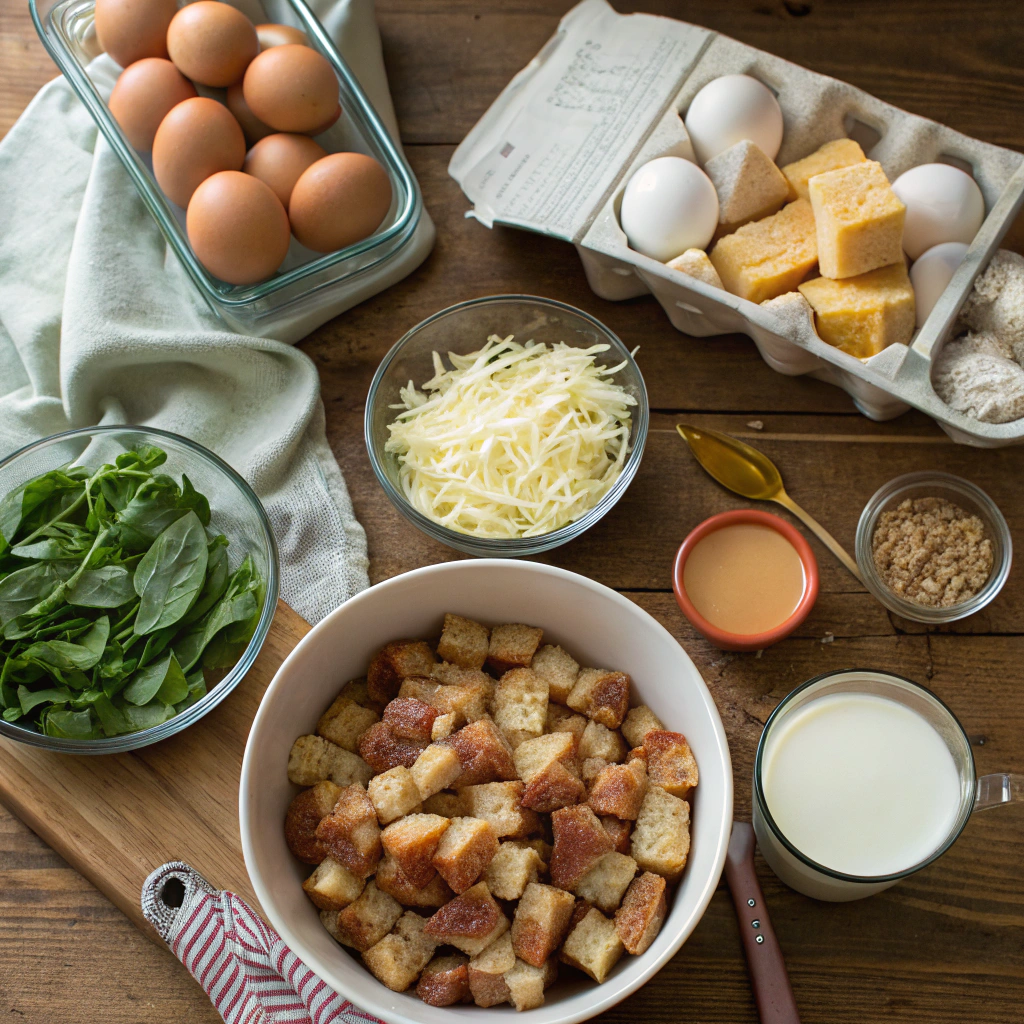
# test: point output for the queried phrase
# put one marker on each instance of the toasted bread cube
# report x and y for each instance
(412, 841)
(465, 850)
(563, 719)
(390, 878)
(606, 882)
(436, 769)
(512, 868)
(314, 759)
(393, 794)
(470, 922)
(399, 957)
(526, 985)
(542, 847)
(396, 661)
(410, 718)
(591, 768)
(580, 841)
(579, 911)
(513, 646)
(619, 789)
(358, 691)
(472, 680)
(500, 803)
(445, 981)
(638, 723)
(533, 756)
(350, 833)
(332, 886)
(487, 972)
(448, 805)
(618, 831)
(541, 922)
(643, 912)
(593, 946)
(520, 705)
(601, 695)
(483, 752)
(443, 727)
(344, 722)
(558, 669)
(464, 702)
(670, 762)
(661, 838)
(556, 786)
(365, 921)
(599, 741)
(463, 642)
(382, 750)
(302, 818)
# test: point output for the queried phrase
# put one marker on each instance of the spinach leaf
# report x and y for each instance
(74, 725)
(147, 717)
(24, 589)
(110, 586)
(163, 680)
(171, 574)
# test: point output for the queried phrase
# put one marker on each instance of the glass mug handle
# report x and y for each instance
(996, 790)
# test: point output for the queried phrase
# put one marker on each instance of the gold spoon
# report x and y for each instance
(749, 473)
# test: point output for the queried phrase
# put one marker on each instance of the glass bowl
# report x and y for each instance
(235, 511)
(465, 328)
(960, 492)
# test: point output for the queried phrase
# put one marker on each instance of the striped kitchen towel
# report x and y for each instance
(243, 965)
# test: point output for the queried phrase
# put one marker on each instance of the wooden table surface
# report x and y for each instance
(945, 946)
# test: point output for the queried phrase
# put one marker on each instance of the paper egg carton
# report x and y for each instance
(608, 93)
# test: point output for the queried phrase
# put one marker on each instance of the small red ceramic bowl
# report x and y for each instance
(753, 641)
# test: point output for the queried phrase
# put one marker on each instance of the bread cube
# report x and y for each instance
(443, 727)
(599, 741)
(410, 719)
(445, 981)
(606, 882)
(643, 912)
(468, 678)
(593, 946)
(470, 922)
(580, 841)
(513, 646)
(382, 750)
(695, 263)
(365, 921)
(483, 752)
(618, 832)
(514, 866)
(601, 695)
(390, 878)
(464, 851)
(670, 762)
(542, 847)
(487, 972)
(591, 768)
(563, 719)
(412, 841)
(556, 786)
(532, 756)
(463, 642)
(344, 722)
(830, 157)
(558, 669)
(393, 794)
(661, 837)
(399, 957)
(541, 922)
(302, 818)
(748, 183)
(619, 789)
(435, 769)
(396, 661)
(332, 886)
(526, 985)
(464, 701)
(520, 705)
(314, 759)
(638, 723)
(350, 833)
(358, 691)
(449, 805)
(500, 803)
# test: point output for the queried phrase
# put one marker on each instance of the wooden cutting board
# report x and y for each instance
(117, 817)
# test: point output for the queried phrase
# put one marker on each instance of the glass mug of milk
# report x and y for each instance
(862, 778)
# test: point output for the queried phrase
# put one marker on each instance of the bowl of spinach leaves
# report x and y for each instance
(138, 580)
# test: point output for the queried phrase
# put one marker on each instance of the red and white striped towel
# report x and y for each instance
(245, 968)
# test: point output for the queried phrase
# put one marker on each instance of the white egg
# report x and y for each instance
(669, 206)
(730, 109)
(943, 205)
(930, 274)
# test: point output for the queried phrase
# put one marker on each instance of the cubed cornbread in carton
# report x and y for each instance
(642, 913)
(470, 922)
(345, 721)
(444, 981)
(541, 922)
(670, 762)
(770, 256)
(400, 956)
(487, 972)
(303, 817)
(579, 842)
(365, 921)
(563, 719)
(313, 759)
(464, 851)
(390, 878)
(661, 838)
(695, 263)
(619, 790)
(601, 695)
(382, 750)
(558, 669)
(512, 869)
(436, 768)
(393, 794)
(332, 886)
(394, 662)
(350, 833)
(600, 741)
(520, 705)
(830, 157)
(639, 722)
(858, 220)
(593, 945)
(513, 645)
(413, 841)
(500, 803)
(606, 882)
(865, 314)
(463, 642)
(618, 831)
(748, 183)
(483, 753)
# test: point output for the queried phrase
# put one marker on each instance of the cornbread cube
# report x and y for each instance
(435, 769)
(344, 722)
(526, 985)
(532, 756)
(748, 183)
(606, 882)
(618, 831)
(593, 946)
(638, 723)
(863, 315)
(600, 741)
(558, 669)
(390, 878)
(670, 762)
(830, 157)
(483, 752)
(443, 727)
(382, 750)
(592, 767)
(563, 719)
(520, 705)
(513, 646)
(302, 818)
(487, 972)
(463, 642)
(470, 922)
(332, 886)
(661, 838)
(512, 868)
(580, 841)
(767, 257)
(695, 263)
(859, 220)
(365, 921)
(541, 922)
(620, 789)
(465, 850)
(445, 981)
(313, 759)
(399, 957)
(448, 805)
(601, 695)
(350, 833)
(393, 794)
(412, 841)
(394, 662)
(643, 912)
(500, 803)
(410, 719)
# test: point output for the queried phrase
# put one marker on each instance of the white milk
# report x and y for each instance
(860, 784)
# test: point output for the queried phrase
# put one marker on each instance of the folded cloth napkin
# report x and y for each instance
(243, 965)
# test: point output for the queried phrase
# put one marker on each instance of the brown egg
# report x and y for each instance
(212, 42)
(143, 96)
(329, 123)
(238, 228)
(279, 160)
(338, 201)
(253, 127)
(280, 35)
(291, 88)
(132, 29)
(199, 137)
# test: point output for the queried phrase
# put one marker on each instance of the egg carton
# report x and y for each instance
(608, 93)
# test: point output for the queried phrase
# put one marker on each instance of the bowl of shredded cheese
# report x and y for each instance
(507, 425)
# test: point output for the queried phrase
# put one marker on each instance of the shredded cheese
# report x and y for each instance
(514, 441)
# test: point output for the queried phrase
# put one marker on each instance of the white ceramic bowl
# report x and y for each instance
(599, 627)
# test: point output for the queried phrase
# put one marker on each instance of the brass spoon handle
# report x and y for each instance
(822, 534)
